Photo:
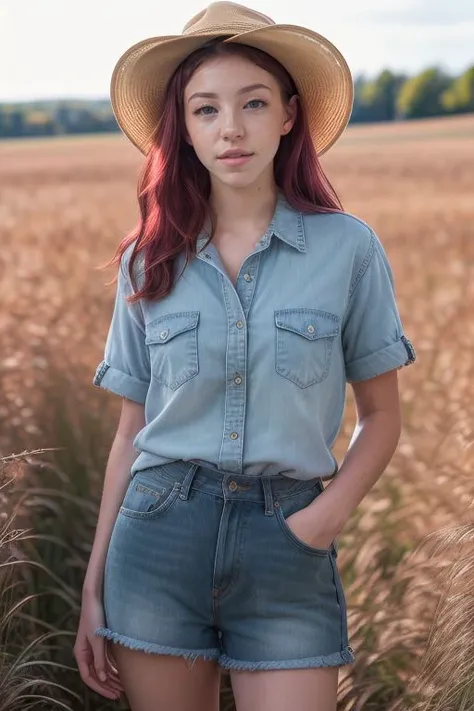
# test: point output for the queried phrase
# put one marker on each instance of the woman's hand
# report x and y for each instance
(92, 653)
(313, 525)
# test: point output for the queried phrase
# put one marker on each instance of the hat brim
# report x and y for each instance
(319, 70)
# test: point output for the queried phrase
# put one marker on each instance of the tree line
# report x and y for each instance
(391, 96)
(387, 97)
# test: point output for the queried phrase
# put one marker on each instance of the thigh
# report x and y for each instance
(285, 607)
(159, 568)
(154, 682)
(286, 689)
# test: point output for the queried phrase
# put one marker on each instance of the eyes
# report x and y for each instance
(208, 110)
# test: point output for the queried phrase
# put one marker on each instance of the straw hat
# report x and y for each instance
(319, 70)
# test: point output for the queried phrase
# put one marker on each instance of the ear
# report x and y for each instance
(291, 110)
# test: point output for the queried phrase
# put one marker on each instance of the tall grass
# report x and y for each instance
(406, 555)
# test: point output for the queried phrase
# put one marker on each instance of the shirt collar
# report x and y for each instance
(286, 224)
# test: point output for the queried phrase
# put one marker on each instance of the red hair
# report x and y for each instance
(174, 186)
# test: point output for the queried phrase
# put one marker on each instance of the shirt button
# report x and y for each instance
(234, 435)
(164, 334)
(237, 380)
(239, 324)
(232, 486)
(248, 277)
(310, 329)
(208, 256)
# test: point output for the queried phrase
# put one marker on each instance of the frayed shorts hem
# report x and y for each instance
(188, 654)
(338, 659)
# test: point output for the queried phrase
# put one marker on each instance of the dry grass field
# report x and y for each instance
(64, 206)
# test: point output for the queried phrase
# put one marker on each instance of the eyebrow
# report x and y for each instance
(244, 90)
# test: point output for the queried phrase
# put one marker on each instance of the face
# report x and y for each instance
(235, 117)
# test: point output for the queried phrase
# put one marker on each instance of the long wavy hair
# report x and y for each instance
(174, 187)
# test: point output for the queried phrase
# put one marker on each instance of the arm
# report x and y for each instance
(117, 478)
(374, 441)
(371, 448)
(374, 347)
(125, 371)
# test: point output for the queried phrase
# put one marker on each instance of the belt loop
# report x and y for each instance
(268, 494)
(187, 481)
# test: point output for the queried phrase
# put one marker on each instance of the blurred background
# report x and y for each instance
(68, 197)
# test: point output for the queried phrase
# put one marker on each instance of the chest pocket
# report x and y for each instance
(304, 341)
(173, 344)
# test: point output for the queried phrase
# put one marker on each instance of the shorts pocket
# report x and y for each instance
(147, 497)
(173, 344)
(304, 341)
(285, 507)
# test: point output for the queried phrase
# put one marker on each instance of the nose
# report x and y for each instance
(231, 133)
(232, 128)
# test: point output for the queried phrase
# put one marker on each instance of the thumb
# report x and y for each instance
(98, 649)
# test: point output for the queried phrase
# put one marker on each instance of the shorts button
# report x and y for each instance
(232, 486)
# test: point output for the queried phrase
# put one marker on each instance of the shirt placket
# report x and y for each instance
(237, 303)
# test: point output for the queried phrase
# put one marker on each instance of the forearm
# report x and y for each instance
(371, 449)
(117, 477)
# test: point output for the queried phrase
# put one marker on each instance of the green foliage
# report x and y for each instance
(377, 99)
(459, 97)
(48, 118)
(421, 95)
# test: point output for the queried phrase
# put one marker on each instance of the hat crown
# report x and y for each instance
(226, 17)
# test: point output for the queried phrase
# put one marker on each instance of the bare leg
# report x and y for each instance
(154, 682)
(286, 689)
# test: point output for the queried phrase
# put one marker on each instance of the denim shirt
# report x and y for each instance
(251, 379)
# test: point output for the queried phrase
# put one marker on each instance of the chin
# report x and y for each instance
(238, 180)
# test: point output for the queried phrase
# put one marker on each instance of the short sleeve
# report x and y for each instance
(125, 369)
(373, 338)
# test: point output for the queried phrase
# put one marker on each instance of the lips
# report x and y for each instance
(235, 154)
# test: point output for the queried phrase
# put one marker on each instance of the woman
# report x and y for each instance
(246, 300)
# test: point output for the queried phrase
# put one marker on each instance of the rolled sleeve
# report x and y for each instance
(125, 369)
(373, 337)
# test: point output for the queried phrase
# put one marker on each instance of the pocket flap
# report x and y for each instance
(309, 323)
(166, 327)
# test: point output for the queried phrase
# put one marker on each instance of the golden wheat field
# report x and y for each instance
(64, 206)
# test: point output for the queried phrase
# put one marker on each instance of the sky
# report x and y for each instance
(64, 49)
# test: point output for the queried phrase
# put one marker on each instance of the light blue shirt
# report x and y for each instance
(251, 379)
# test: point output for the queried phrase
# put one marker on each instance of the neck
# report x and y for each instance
(232, 208)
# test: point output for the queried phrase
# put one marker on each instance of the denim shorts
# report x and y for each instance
(202, 564)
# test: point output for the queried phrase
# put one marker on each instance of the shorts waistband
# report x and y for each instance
(266, 489)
